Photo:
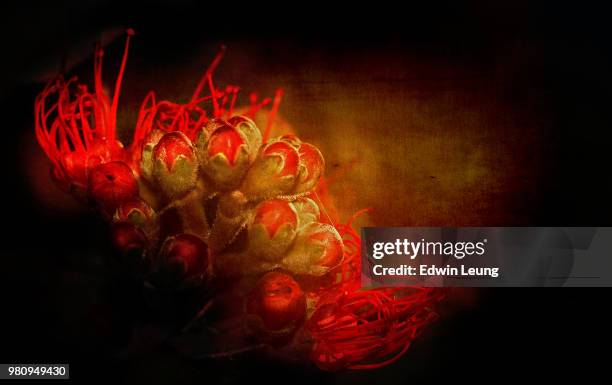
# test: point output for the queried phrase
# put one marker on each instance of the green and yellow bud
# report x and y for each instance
(175, 167)
(226, 149)
(273, 229)
(317, 249)
(307, 211)
(274, 173)
(146, 158)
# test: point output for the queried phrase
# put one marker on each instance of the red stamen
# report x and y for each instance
(208, 73)
(369, 329)
(113, 113)
(272, 114)
(235, 91)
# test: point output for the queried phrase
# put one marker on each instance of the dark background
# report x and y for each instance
(56, 305)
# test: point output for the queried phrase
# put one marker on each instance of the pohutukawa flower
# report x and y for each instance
(274, 173)
(227, 149)
(135, 211)
(183, 259)
(77, 128)
(111, 184)
(277, 301)
(246, 213)
(128, 239)
(317, 249)
(273, 229)
(307, 210)
(175, 167)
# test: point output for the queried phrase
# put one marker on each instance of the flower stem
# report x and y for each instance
(193, 215)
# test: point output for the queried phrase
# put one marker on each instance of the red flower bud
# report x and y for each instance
(227, 149)
(317, 249)
(286, 153)
(312, 166)
(332, 247)
(175, 168)
(171, 147)
(132, 244)
(225, 141)
(307, 210)
(135, 211)
(278, 301)
(146, 156)
(183, 258)
(273, 229)
(127, 238)
(274, 172)
(110, 184)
